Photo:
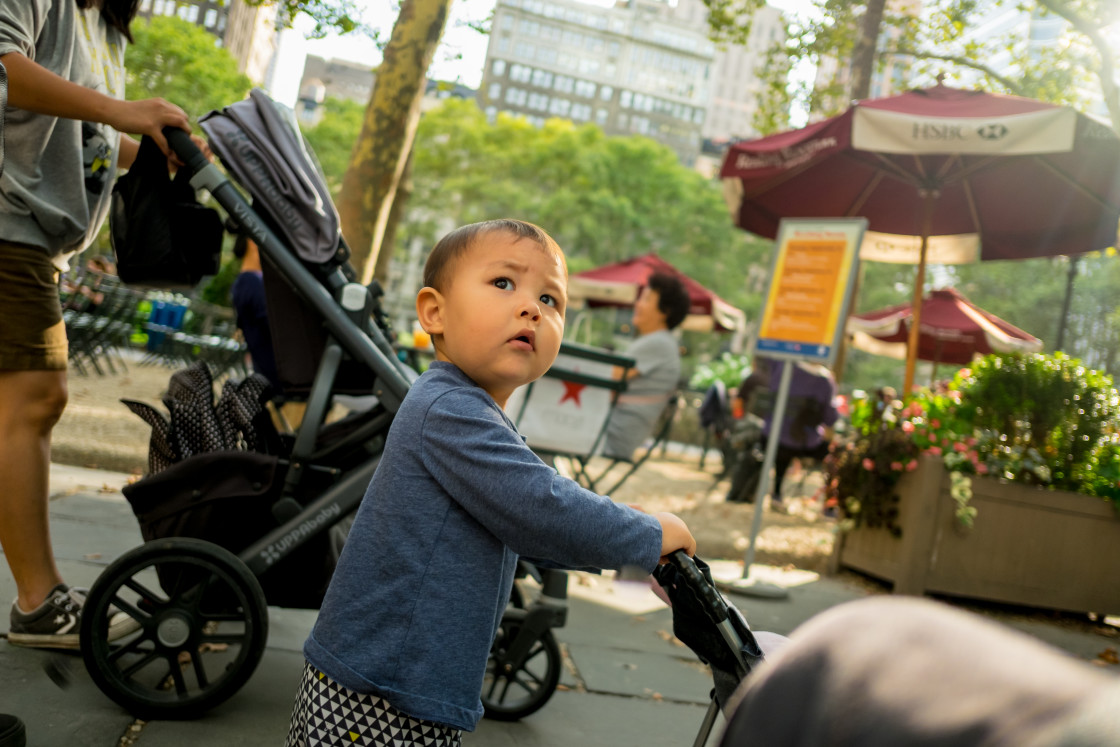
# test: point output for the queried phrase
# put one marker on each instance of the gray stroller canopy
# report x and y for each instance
(259, 142)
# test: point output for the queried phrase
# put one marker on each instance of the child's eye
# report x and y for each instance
(503, 283)
(548, 300)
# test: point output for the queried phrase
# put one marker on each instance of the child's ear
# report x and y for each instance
(429, 310)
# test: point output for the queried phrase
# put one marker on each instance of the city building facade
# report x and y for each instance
(630, 69)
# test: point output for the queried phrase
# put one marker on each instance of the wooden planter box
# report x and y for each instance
(1029, 546)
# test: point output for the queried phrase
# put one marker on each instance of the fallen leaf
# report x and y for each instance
(92, 555)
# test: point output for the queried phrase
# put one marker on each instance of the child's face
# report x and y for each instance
(501, 318)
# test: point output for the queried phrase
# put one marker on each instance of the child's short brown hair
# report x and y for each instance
(455, 244)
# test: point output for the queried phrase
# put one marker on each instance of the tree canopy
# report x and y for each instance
(183, 63)
(1071, 61)
(603, 198)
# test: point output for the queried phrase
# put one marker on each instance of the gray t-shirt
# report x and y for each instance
(658, 361)
(58, 173)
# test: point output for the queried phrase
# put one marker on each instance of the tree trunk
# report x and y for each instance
(863, 53)
(388, 130)
(389, 242)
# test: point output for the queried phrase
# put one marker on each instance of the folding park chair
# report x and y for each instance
(660, 437)
(565, 412)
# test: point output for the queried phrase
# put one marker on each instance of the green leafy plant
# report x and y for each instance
(1038, 419)
(728, 368)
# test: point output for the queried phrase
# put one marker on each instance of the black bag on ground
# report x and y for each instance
(161, 235)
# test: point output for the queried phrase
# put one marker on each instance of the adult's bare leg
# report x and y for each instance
(31, 402)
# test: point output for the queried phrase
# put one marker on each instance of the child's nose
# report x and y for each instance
(531, 309)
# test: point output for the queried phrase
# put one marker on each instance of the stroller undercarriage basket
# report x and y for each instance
(218, 497)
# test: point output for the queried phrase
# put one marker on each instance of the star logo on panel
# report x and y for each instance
(572, 391)
(992, 131)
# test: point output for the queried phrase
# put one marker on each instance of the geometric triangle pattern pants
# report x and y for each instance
(328, 714)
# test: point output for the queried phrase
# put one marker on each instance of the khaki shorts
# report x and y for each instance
(32, 333)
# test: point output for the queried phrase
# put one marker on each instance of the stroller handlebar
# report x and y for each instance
(189, 153)
(700, 585)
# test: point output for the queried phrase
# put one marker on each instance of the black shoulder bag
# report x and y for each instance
(161, 236)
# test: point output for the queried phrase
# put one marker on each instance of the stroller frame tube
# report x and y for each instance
(358, 344)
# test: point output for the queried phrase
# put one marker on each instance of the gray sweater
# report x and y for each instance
(58, 173)
(420, 587)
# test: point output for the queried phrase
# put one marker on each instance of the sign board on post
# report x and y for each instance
(811, 283)
(810, 286)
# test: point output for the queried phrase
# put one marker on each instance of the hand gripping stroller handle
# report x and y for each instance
(189, 153)
(685, 565)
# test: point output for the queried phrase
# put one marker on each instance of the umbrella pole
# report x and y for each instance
(919, 283)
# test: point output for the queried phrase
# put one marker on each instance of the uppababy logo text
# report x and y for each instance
(275, 551)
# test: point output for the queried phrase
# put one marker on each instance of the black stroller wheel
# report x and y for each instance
(191, 628)
(511, 691)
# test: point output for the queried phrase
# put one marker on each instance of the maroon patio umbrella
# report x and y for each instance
(618, 284)
(952, 330)
(941, 174)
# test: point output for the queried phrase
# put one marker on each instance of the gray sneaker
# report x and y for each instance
(55, 623)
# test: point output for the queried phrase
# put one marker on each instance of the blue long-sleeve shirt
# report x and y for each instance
(422, 582)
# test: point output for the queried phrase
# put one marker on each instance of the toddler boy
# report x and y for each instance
(401, 642)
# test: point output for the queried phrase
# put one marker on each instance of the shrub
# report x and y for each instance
(1037, 419)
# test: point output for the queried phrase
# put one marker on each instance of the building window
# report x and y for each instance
(538, 101)
(520, 73)
(542, 78)
(503, 45)
(211, 18)
(564, 84)
(516, 96)
(524, 49)
(560, 107)
(581, 112)
(498, 67)
(605, 93)
(491, 114)
(495, 91)
(145, 6)
(585, 88)
(505, 22)
(623, 120)
(192, 14)
(601, 117)
(624, 99)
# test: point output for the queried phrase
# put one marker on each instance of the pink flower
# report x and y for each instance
(842, 404)
(912, 465)
(972, 440)
(935, 450)
(896, 466)
(907, 426)
(916, 407)
(868, 464)
(935, 424)
(981, 469)
(960, 446)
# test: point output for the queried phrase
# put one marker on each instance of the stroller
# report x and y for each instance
(260, 522)
(715, 631)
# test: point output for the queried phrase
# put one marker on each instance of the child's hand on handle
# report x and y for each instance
(674, 535)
